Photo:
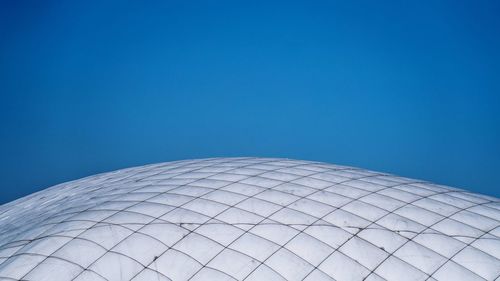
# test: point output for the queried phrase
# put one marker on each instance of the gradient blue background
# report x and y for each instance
(406, 88)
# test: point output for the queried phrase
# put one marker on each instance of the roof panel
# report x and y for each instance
(249, 219)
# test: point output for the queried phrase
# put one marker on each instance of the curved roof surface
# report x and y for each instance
(249, 219)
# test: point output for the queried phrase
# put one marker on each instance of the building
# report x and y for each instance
(255, 219)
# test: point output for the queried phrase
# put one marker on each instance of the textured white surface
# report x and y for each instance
(249, 219)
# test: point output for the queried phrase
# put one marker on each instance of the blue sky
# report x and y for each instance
(406, 88)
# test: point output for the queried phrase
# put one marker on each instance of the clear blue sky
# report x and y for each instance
(410, 88)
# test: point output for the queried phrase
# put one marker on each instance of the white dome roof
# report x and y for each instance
(249, 219)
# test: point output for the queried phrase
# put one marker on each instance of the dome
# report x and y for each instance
(255, 219)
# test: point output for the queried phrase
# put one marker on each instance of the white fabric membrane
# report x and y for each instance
(249, 219)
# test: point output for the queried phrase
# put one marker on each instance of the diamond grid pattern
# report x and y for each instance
(249, 219)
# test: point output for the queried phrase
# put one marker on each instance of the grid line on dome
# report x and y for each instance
(234, 206)
(466, 246)
(259, 223)
(68, 241)
(411, 240)
(349, 239)
(192, 199)
(148, 184)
